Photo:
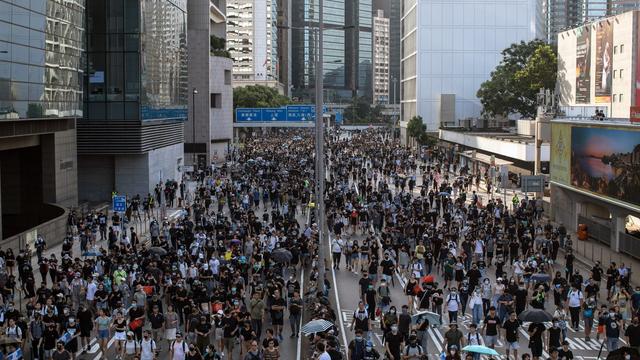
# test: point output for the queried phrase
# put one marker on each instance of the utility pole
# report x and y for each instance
(320, 165)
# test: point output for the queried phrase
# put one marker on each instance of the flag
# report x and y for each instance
(16, 355)
(66, 337)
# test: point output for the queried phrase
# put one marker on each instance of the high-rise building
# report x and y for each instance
(209, 129)
(284, 44)
(392, 10)
(131, 135)
(347, 46)
(380, 58)
(450, 48)
(561, 15)
(252, 41)
(41, 46)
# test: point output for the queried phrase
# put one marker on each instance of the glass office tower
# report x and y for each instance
(136, 80)
(347, 49)
(41, 44)
(136, 60)
(41, 74)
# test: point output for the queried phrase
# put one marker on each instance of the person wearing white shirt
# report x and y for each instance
(91, 291)
(336, 252)
(324, 355)
(147, 347)
(575, 298)
(453, 305)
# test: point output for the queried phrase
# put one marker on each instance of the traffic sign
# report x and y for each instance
(533, 183)
(119, 203)
(301, 113)
(248, 114)
(276, 114)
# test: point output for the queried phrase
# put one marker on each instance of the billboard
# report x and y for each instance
(583, 65)
(604, 58)
(606, 161)
(560, 166)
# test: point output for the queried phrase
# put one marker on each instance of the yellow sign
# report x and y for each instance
(560, 153)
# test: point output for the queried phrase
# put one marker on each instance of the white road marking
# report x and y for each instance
(299, 345)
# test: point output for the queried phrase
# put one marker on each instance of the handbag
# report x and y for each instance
(135, 324)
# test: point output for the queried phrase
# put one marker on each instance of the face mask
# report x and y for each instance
(394, 329)
(612, 314)
(358, 338)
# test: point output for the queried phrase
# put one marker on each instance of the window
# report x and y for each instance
(621, 48)
(227, 77)
(614, 73)
(216, 101)
(615, 49)
(614, 97)
(620, 73)
(620, 97)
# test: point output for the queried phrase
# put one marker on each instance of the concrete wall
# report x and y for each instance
(515, 150)
(98, 177)
(164, 163)
(60, 149)
(53, 231)
(220, 119)
(623, 34)
(131, 174)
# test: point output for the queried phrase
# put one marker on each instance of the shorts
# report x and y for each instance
(85, 332)
(229, 344)
(536, 349)
(491, 340)
(513, 345)
(121, 335)
(170, 334)
(103, 334)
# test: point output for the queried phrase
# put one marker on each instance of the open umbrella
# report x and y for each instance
(156, 250)
(316, 326)
(480, 349)
(535, 316)
(540, 277)
(281, 255)
(434, 319)
(621, 352)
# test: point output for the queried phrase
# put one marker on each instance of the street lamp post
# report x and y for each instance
(193, 125)
(320, 169)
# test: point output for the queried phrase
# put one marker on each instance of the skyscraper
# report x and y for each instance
(450, 48)
(392, 10)
(41, 46)
(561, 15)
(347, 45)
(131, 135)
(380, 58)
(252, 41)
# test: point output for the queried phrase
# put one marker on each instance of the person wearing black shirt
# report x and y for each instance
(230, 328)
(521, 298)
(490, 328)
(632, 332)
(202, 333)
(535, 339)
(555, 335)
(393, 343)
(564, 353)
(511, 326)
(137, 313)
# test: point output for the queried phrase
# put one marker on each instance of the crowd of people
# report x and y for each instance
(219, 280)
(418, 214)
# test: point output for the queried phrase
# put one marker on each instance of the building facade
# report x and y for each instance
(444, 62)
(597, 67)
(347, 49)
(381, 58)
(209, 130)
(393, 10)
(41, 46)
(252, 41)
(136, 92)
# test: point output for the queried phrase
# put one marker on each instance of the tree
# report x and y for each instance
(515, 82)
(359, 111)
(415, 127)
(258, 96)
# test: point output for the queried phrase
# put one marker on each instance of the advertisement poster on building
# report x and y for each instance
(604, 58)
(637, 83)
(606, 161)
(583, 65)
(560, 153)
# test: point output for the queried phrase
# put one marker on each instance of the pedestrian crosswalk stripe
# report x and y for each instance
(435, 341)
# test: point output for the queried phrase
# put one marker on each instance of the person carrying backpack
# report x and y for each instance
(357, 347)
(178, 349)
(413, 350)
(453, 305)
